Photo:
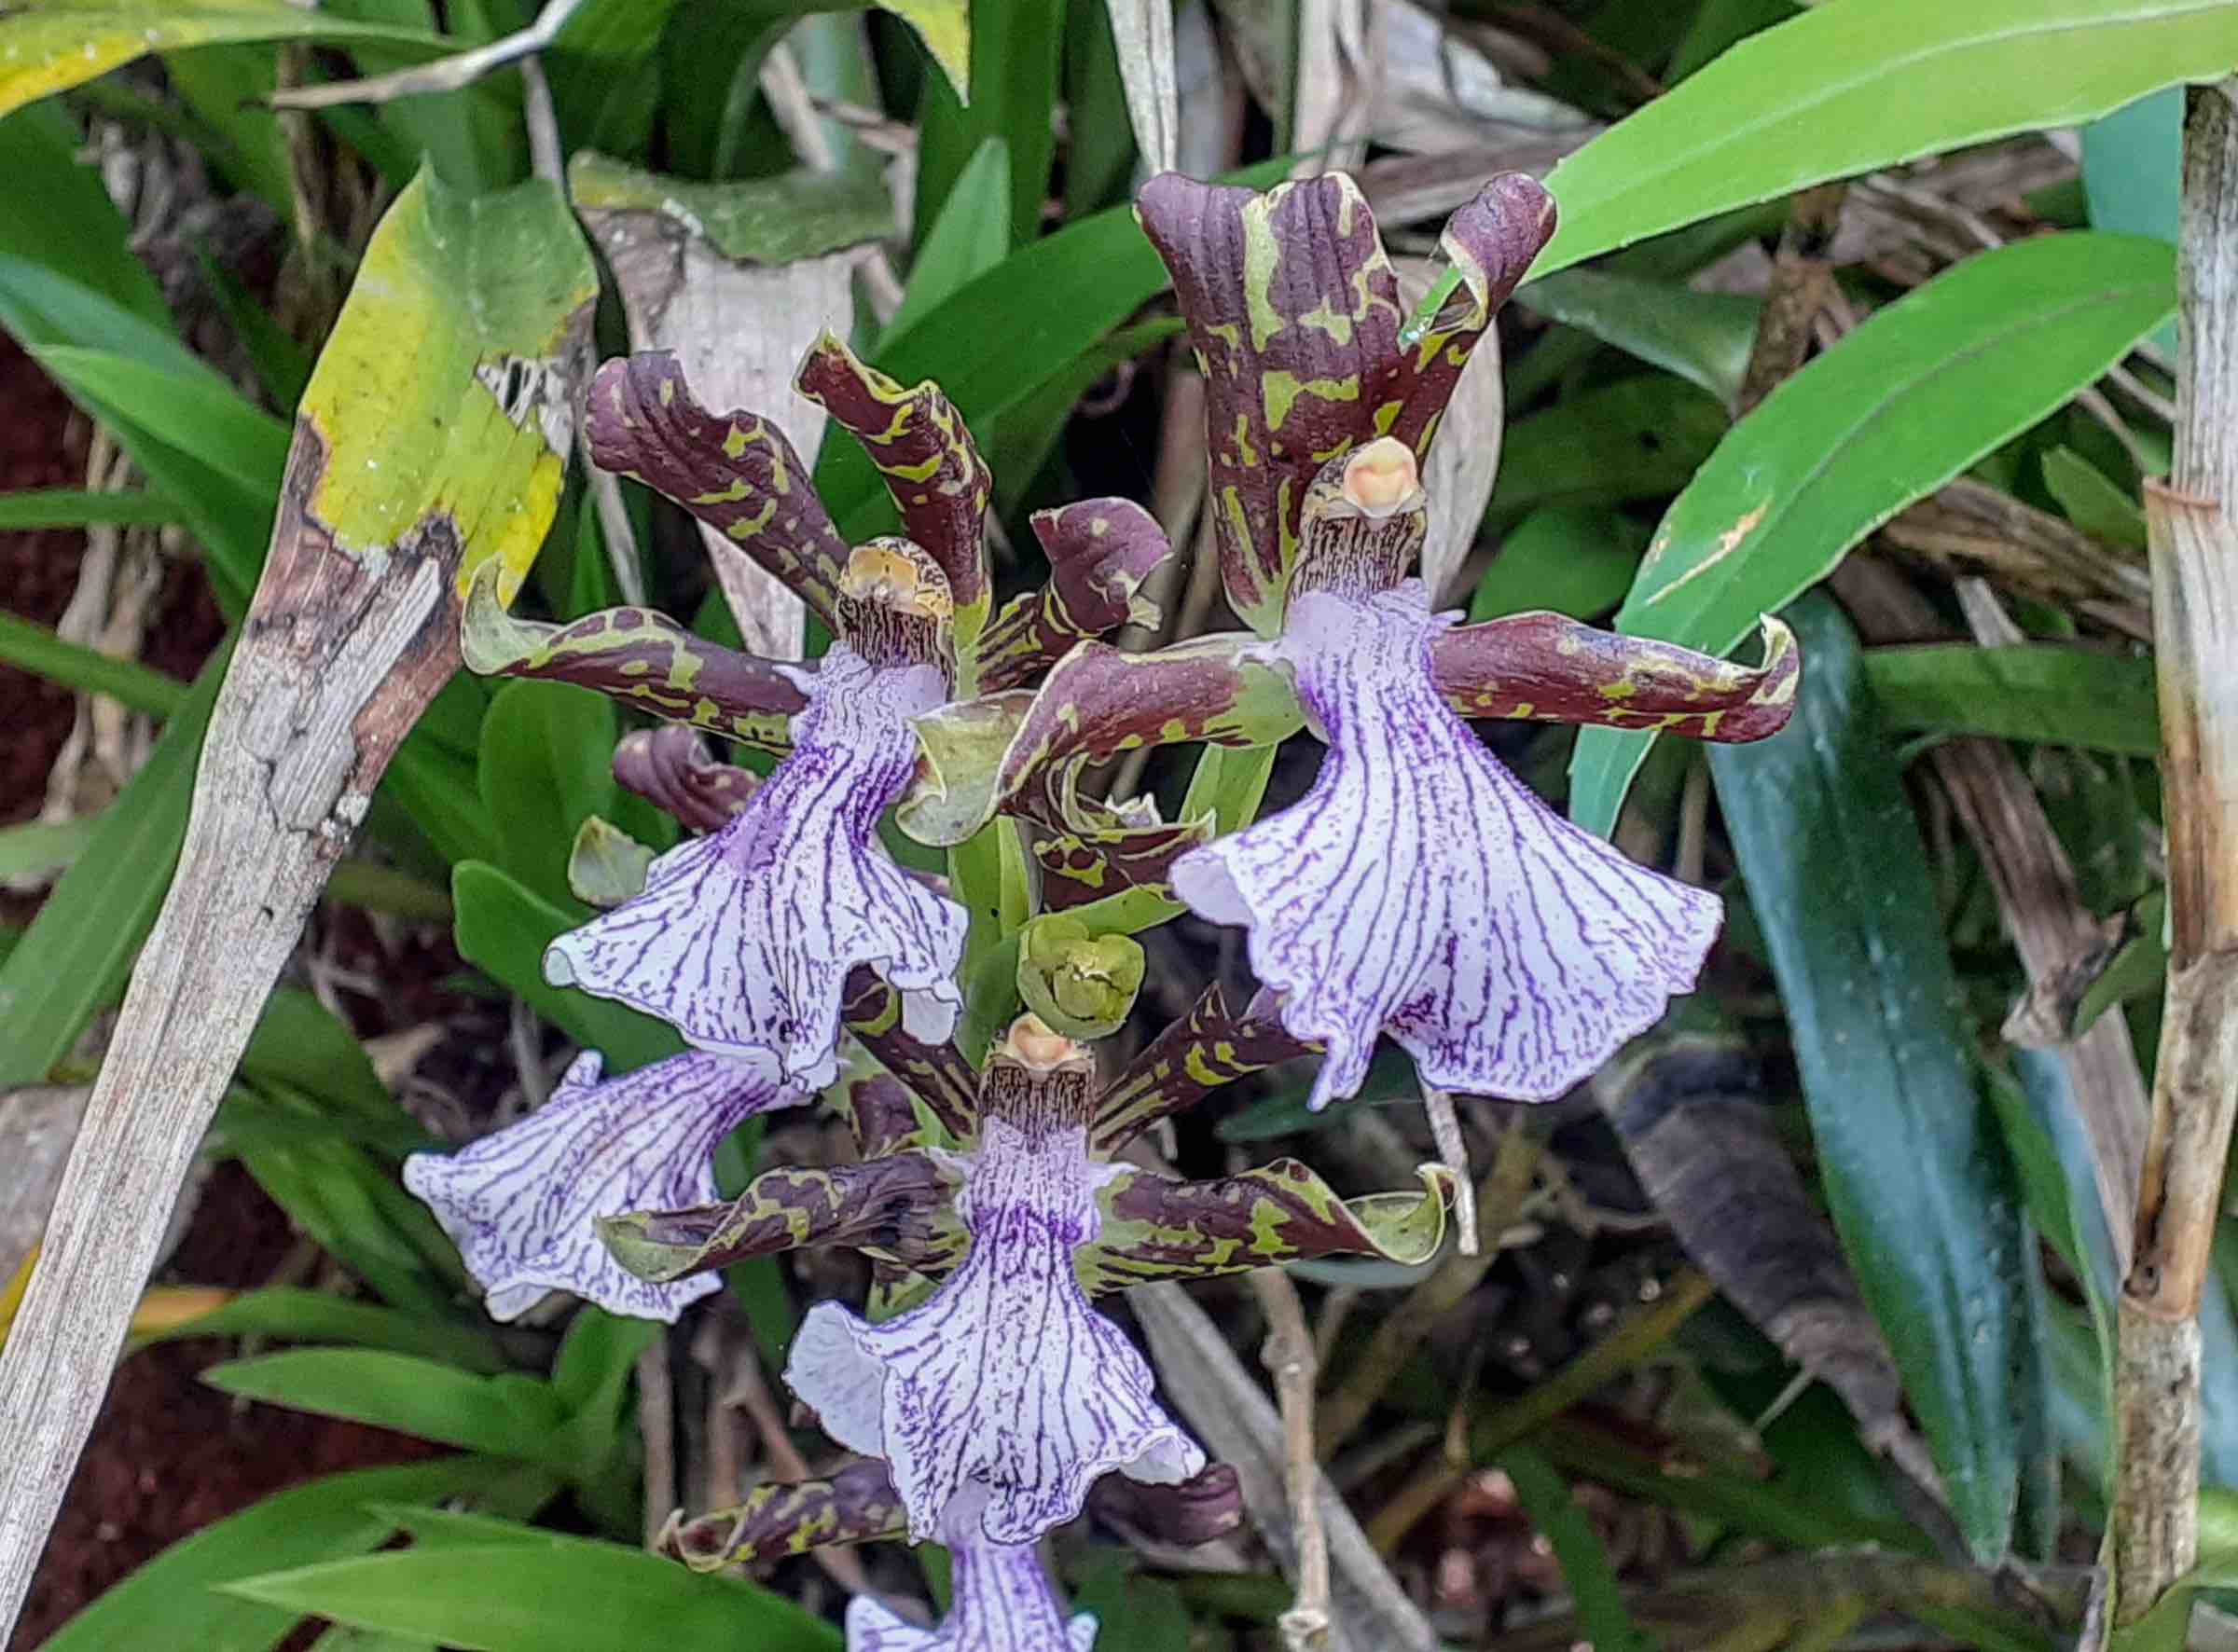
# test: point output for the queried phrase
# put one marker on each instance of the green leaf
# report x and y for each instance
(38, 650)
(1133, 1613)
(2047, 692)
(559, 1594)
(1016, 48)
(172, 1601)
(66, 507)
(795, 215)
(2132, 163)
(37, 848)
(345, 1201)
(1838, 878)
(50, 46)
(1843, 90)
(54, 212)
(1573, 560)
(966, 240)
(506, 1416)
(1638, 438)
(1704, 338)
(285, 1313)
(547, 765)
(1578, 1550)
(78, 948)
(1921, 390)
(504, 928)
(2091, 499)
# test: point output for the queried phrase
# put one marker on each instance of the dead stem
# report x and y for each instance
(1289, 1361)
(2152, 1535)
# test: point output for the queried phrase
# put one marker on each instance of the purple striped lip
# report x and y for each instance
(1422, 890)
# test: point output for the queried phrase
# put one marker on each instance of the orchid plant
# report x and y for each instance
(1418, 889)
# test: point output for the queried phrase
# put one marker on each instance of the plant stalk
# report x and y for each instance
(2152, 1535)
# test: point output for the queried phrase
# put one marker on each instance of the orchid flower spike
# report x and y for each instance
(744, 939)
(522, 1203)
(1419, 889)
(999, 1401)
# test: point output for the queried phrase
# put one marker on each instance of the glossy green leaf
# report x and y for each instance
(2032, 691)
(547, 765)
(346, 1201)
(503, 928)
(1924, 388)
(503, 1416)
(1704, 338)
(173, 1601)
(966, 240)
(1843, 90)
(288, 1315)
(2132, 163)
(79, 947)
(562, 1595)
(37, 848)
(1839, 880)
(1016, 48)
(54, 212)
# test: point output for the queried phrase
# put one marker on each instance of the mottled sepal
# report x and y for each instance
(856, 1504)
(1550, 668)
(1006, 1394)
(744, 941)
(1099, 551)
(1097, 702)
(670, 769)
(921, 446)
(1201, 1509)
(1157, 1227)
(736, 471)
(960, 748)
(1294, 314)
(606, 866)
(1211, 1046)
(1002, 1601)
(522, 1203)
(935, 1073)
(886, 1205)
(1088, 848)
(1082, 985)
(641, 658)
(1420, 889)
(1489, 245)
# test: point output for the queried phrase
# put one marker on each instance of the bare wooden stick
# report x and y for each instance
(2152, 1537)
(1290, 1359)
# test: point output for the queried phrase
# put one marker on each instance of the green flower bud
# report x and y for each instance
(1081, 986)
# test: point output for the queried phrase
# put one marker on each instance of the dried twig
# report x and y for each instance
(1801, 277)
(448, 74)
(1289, 1361)
(2152, 1535)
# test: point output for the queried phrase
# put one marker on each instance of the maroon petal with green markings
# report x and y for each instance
(1211, 1046)
(642, 659)
(1489, 245)
(920, 444)
(736, 471)
(1294, 312)
(887, 1204)
(856, 1504)
(1549, 668)
(936, 1074)
(1159, 1226)
(1100, 701)
(670, 769)
(1088, 848)
(1099, 551)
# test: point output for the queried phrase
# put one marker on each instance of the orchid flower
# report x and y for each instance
(747, 941)
(522, 1203)
(1006, 1394)
(1418, 889)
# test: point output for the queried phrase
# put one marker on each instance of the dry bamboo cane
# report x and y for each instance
(2152, 1538)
